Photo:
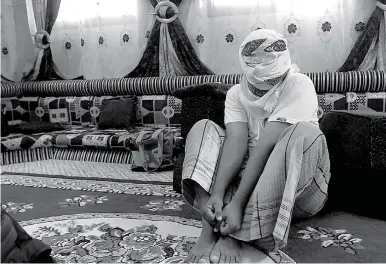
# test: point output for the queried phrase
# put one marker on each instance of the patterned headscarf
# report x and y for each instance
(265, 59)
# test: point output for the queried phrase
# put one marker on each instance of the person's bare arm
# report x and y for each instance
(232, 156)
(232, 214)
(257, 161)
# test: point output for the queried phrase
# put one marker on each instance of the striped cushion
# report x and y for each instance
(325, 82)
(56, 88)
(10, 89)
(26, 155)
(94, 155)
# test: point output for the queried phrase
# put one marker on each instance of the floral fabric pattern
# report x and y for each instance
(330, 237)
(326, 26)
(101, 40)
(125, 38)
(360, 26)
(200, 39)
(147, 34)
(229, 38)
(292, 28)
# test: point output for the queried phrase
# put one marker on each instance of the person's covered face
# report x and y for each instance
(264, 58)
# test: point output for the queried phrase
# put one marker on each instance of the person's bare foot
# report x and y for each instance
(226, 250)
(201, 251)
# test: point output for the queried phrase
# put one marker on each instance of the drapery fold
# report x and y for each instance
(185, 51)
(168, 51)
(369, 52)
(43, 67)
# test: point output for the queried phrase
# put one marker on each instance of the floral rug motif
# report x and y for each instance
(86, 217)
(163, 205)
(12, 207)
(83, 200)
(330, 237)
(122, 238)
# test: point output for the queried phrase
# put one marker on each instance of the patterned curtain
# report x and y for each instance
(41, 23)
(369, 52)
(168, 51)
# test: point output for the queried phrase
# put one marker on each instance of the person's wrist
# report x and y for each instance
(218, 193)
(239, 201)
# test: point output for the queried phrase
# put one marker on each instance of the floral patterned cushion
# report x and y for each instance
(155, 111)
(77, 137)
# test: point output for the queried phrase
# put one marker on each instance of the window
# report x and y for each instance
(77, 10)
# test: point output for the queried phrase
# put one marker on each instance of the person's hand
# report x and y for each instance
(212, 211)
(232, 219)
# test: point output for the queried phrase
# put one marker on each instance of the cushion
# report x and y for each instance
(79, 137)
(4, 124)
(206, 89)
(93, 138)
(117, 113)
(158, 111)
(35, 127)
(357, 146)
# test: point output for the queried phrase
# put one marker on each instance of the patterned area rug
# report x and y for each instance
(99, 212)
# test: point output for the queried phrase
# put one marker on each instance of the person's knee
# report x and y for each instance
(306, 126)
(306, 130)
(201, 125)
(202, 122)
(310, 132)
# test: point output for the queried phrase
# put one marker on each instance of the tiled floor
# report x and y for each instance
(86, 169)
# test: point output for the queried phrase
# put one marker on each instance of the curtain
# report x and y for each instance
(111, 38)
(169, 51)
(42, 17)
(16, 43)
(369, 52)
(100, 38)
(321, 33)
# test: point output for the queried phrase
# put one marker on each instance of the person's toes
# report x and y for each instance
(233, 259)
(238, 258)
(215, 257)
(188, 258)
(204, 260)
(222, 258)
(197, 258)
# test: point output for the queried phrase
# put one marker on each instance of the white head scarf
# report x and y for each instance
(266, 62)
(265, 59)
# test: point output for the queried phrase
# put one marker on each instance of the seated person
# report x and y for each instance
(271, 163)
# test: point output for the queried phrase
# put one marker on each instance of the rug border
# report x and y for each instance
(136, 216)
(90, 185)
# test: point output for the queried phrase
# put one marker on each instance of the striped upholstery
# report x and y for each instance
(355, 81)
(10, 89)
(325, 82)
(94, 155)
(56, 88)
(26, 155)
(155, 85)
